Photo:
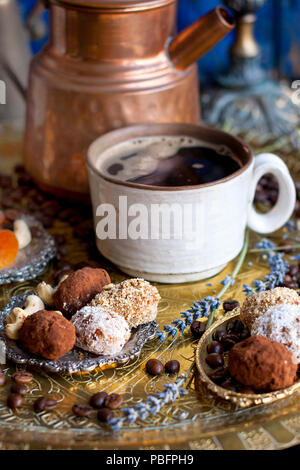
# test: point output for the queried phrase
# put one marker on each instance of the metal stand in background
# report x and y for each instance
(244, 98)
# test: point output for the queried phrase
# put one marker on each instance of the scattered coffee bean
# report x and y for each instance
(82, 410)
(154, 367)
(229, 341)
(214, 347)
(15, 400)
(172, 367)
(244, 334)
(197, 329)
(113, 401)
(235, 326)
(44, 404)
(18, 388)
(97, 400)
(229, 385)
(219, 374)
(215, 360)
(230, 304)
(2, 379)
(104, 415)
(23, 377)
(219, 335)
(294, 269)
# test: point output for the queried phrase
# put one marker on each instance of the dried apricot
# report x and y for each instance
(9, 247)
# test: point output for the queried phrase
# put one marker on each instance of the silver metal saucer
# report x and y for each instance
(33, 259)
(76, 360)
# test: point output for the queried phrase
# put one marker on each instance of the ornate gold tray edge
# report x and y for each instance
(242, 400)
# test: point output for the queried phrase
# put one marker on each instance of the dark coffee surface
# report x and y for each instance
(188, 166)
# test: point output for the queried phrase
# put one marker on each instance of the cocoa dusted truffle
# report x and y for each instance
(47, 334)
(78, 289)
(262, 364)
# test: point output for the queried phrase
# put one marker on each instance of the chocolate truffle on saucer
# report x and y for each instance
(100, 331)
(135, 299)
(262, 364)
(256, 305)
(47, 334)
(78, 289)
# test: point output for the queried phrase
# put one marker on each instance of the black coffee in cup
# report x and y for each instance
(169, 161)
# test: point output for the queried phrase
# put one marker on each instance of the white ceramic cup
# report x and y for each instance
(223, 209)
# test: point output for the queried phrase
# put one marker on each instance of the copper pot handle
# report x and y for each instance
(200, 37)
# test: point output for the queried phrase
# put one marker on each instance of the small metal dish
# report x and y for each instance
(243, 400)
(75, 360)
(32, 260)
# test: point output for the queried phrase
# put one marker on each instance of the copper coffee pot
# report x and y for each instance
(109, 64)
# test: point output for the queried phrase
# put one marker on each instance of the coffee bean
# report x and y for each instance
(172, 367)
(15, 400)
(244, 334)
(113, 401)
(104, 415)
(22, 377)
(235, 326)
(44, 404)
(5, 181)
(197, 329)
(18, 388)
(219, 374)
(215, 360)
(12, 214)
(294, 269)
(214, 347)
(2, 379)
(229, 385)
(229, 341)
(97, 400)
(60, 239)
(82, 410)
(230, 304)
(154, 367)
(219, 335)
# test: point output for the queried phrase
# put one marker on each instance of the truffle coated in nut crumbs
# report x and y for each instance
(47, 334)
(256, 305)
(79, 288)
(134, 299)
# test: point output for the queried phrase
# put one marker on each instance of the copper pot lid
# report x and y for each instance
(117, 4)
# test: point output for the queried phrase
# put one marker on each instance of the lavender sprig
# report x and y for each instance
(153, 403)
(278, 268)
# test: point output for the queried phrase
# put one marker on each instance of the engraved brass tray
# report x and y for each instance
(210, 422)
(241, 399)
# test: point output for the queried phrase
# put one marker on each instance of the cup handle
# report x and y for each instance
(284, 207)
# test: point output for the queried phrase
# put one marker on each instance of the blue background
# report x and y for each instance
(277, 31)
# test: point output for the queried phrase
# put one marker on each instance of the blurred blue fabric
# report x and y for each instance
(277, 31)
